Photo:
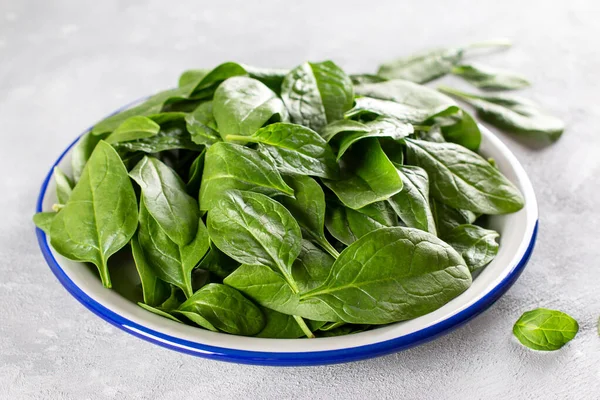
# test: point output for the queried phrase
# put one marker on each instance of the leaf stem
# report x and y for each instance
(328, 248)
(104, 275)
(239, 138)
(304, 327)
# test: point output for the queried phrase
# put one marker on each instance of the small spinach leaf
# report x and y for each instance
(463, 179)
(242, 105)
(546, 330)
(422, 67)
(392, 274)
(202, 125)
(231, 166)
(367, 176)
(457, 126)
(64, 186)
(101, 215)
(82, 151)
(407, 93)
(226, 309)
(476, 245)
(317, 94)
(172, 136)
(447, 218)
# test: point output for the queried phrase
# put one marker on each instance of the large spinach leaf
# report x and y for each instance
(392, 274)
(101, 215)
(231, 166)
(317, 94)
(463, 179)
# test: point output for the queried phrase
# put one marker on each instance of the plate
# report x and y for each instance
(518, 234)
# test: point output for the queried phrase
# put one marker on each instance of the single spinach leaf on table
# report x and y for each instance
(171, 262)
(242, 105)
(226, 309)
(101, 215)
(64, 186)
(489, 78)
(512, 113)
(447, 218)
(317, 94)
(367, 176)
(154, 290)
(136, 127)
(476, 245)
(457, 126)
(463, 179)
(202, 126)
(294, 149)
(392, 274)
(43, 220)
(231, 166)
(545, 330)
(411, 204)
(166, 200)
(266, 232)
(308, 208)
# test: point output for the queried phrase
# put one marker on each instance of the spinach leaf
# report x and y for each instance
(43, 220)
(433, 133)
(242, 105)
(317, 94)
(269, 289)
(101, 215)
(217, 75)
(172, 136)
(154, 290)
(279, 325)
(457, 126)
(447, 218)
(546, 330)
(231, 166)
(379, 127)
(489, 78)
(407, 93)
(368, 106)
(265, 231)
(412, 202)
(348, 225)
(463, 179)
(171, 262)
(392, 274)
(308, 208)
(294, 149)
(202, 125)
(311, 267)
(191, 76)
(422, 67)
(367, 176)
(195, 174)
(512, 113)
(226, 309)
(166, 199)
(343, 126)
(137, 127)
(218, 262)
(64, 186)
(476, 245)
(82, 151)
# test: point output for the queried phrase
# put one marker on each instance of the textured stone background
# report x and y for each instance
(65, 64)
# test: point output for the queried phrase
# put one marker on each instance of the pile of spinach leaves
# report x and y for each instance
(284, 204)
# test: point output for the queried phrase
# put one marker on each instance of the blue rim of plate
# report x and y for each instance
(274, 358)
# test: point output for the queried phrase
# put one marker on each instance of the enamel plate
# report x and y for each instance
(518, 234)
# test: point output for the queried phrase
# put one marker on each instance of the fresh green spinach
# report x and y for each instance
(545, 330)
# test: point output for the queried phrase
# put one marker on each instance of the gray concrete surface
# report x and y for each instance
(65, 64)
